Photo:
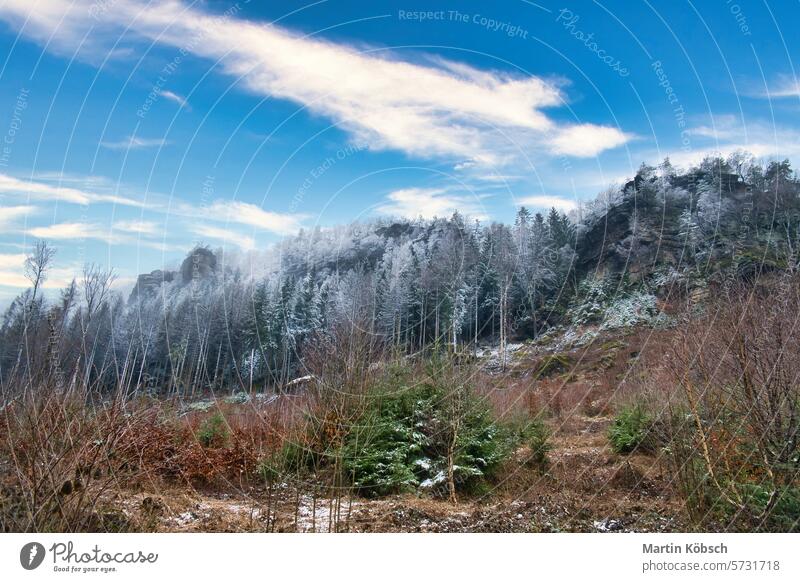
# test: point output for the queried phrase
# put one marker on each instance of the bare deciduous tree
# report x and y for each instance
(37, 265)
(96, 286)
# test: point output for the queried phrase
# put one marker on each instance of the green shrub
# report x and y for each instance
(536, 436)
(631, 430)
(384, 450)
(214, 431)
(404, 442)
(481, 448)
(273, 466)
(782, 516)
(298, 456)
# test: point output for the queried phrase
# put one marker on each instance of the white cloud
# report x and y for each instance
(47, 188)
(12, 269)
(685, 159)
(73, 231)
(13, 279)
(9, 214)
(587, 140)
(242, 241)
(437, 109)
(765, 140)
(251, 215)
(94, 231)
(174, 97)
(44, 191)
(785, 87)
(12, 261)
(134, 143)
(137, 226)
(711, 132)
(721, 127)
(138, 231)
(545, 201)
(414, 203)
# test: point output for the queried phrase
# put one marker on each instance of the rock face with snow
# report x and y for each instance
(636, 233)
(148, 284)
(200, 264)
(710, 216)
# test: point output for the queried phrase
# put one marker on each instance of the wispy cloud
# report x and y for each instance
(545, 201)
(174, 97)
(10, 214)
(783, 88)
(723, 127)
(38, 190)
(134, 143)
(48, 188)
(73, 231)
(765, 140)
(12, 261)
(137, 226)
(251, 215)
(242, 241)
(587, 140)
(240, 213)
(414, 203)
(66, 231)
(13, 279)
(433, 109)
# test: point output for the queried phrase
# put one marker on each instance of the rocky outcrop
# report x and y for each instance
(641, 230)
(148, 284)
(200, 264)
(631, 239)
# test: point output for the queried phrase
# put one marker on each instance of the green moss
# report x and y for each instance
(607, 360)
(613, 345)
(553, 364)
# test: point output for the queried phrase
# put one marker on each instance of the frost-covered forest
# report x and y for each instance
(243, 323)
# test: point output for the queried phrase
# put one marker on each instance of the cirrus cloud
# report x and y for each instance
(251, 215)
(242, 241)
(38, 190)
(436, 108)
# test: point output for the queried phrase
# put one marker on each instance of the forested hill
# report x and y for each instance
(412, 284)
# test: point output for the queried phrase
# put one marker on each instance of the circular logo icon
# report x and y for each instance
(31, 555)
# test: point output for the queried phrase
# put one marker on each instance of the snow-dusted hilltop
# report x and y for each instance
(411, 284)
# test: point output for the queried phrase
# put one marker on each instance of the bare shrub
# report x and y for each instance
(60, 463)
(736, 437)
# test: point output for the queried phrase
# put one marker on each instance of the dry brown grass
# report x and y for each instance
(65, 459)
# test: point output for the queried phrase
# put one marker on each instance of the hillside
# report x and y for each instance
(663, 235)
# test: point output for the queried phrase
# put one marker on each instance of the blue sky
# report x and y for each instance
(132, 131)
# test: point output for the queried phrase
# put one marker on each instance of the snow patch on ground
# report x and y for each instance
(320, 516)
(491, 355)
